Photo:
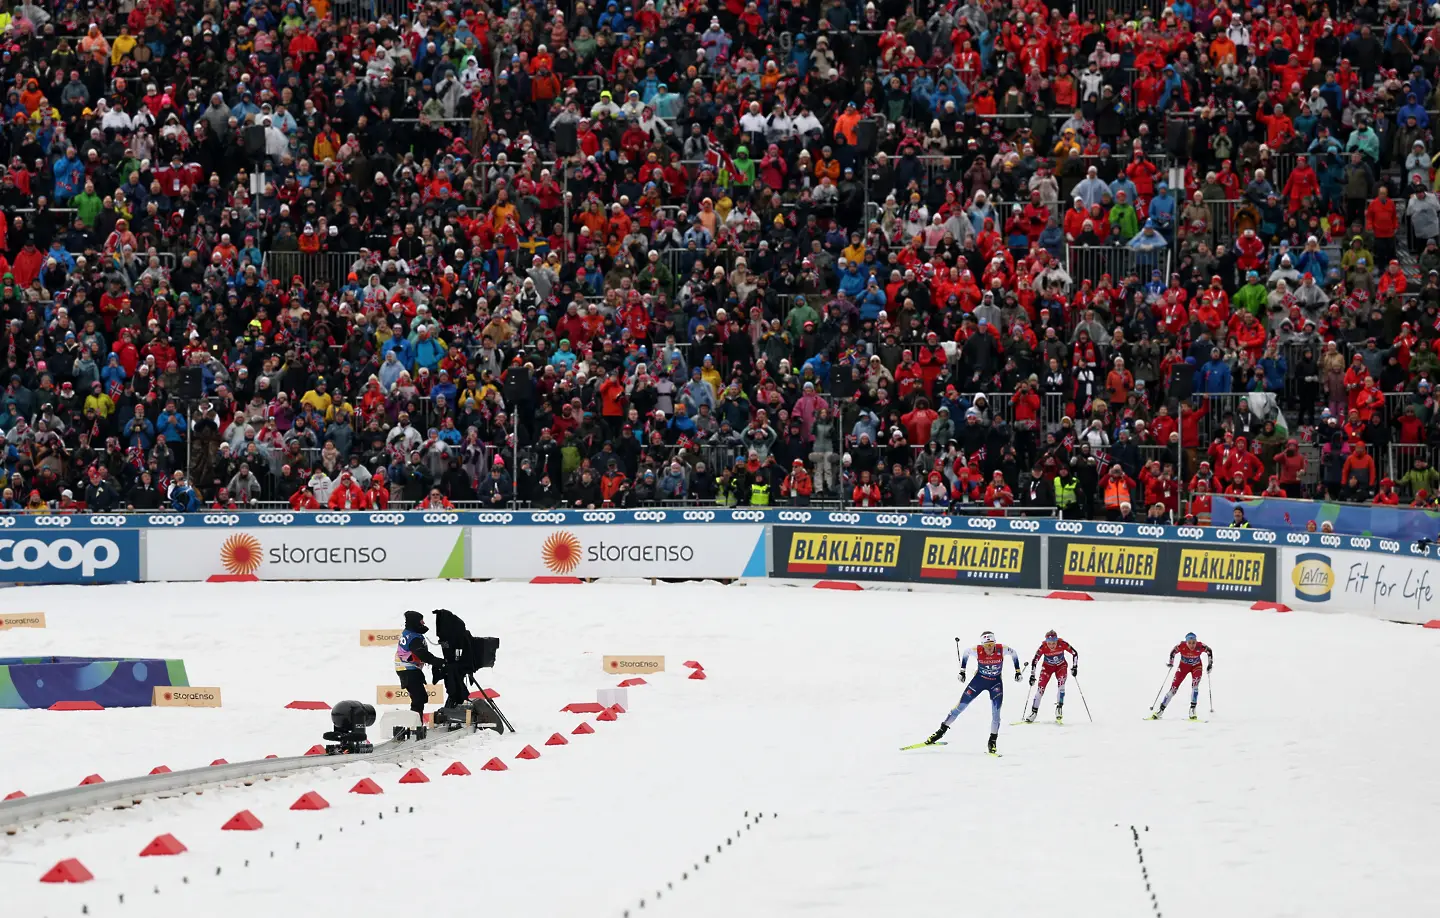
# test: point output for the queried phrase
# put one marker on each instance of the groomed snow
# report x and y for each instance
(1308, 793)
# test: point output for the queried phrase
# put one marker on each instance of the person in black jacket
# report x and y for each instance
(410, 655)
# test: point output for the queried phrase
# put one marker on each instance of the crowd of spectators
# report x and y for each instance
(964, 254)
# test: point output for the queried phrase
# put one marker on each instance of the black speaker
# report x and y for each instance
(192, 383)
(566, 143)
(867, 131)
(1182, 381)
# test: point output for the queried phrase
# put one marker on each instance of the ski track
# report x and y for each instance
(1305, 794)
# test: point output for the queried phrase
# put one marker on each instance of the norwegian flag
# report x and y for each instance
(716, 157)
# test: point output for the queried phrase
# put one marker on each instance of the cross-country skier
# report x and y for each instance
(991, 658)
(1053, 650)
(1189, 650)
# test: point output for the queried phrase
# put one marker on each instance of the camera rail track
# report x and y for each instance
(124, 793)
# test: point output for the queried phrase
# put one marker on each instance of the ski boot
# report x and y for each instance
(1060, 713)
(991, 748)
(1193, 715)
(935, 737)
(1030, 718)
(1157, 713)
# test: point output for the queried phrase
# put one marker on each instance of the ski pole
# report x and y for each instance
(1210, 690)
(1082, 699)
(1161, 689)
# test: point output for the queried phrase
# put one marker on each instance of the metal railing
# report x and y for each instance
(1092, 262)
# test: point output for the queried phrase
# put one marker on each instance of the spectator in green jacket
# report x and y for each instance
(1421, 478)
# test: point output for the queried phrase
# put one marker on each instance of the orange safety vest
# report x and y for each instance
(1116, 493)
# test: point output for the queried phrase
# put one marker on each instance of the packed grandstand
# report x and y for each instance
(1110, 257)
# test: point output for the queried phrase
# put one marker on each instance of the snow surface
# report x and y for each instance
(1307, 793)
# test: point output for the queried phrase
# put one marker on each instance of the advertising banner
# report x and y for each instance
(1163, 568)
(38, 556)
(1110, 566)
(908, 557)
(855, 554)
(394, 694)
(1010, 561)
(615, 663)
(305, 554)
(10, 620)
(522, 552)
(1400, 588)
(194, 696)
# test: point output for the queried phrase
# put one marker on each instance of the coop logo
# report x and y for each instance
(891, 519)
(843, 553)
(1313, 577)
(973, 559)
(561, 552)
(1389, 545)
(1297, 538)
(649, 516)
(1330, 541)
(392, 519)
(697, 516)
(1362, 544)
(844, 517)
(220, 519)
(1229, 535)
(446, 518)
(547, 517)
(88, 556)
(107, 519)
(335, 519)
(598, 516)
(1024, 525)
(276, 519)
(1190, 532)
(1262, 535)
(980, 522)
(793, 516)
(165, 519)
(6, 522)
(1069, 526)
(747, 516)
(241, 555)
(59, 521)
(1109, 529)
(942, 522)
(1156, 531)
(1220, 570)
(494, 517)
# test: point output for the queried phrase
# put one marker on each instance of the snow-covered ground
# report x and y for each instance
(1307, 793)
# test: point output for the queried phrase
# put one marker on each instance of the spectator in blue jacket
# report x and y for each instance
(69, 176)
(113, 375)
(852, 282)
(428, 351)
(1215, 374)
(404, 350)
(1274, 367)
(171, 425)
(182, 496)
(139, 431)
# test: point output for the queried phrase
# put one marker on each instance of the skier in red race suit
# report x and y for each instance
(1189, 650)
(1053, 650)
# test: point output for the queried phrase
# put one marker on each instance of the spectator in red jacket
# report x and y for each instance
(347, 494)
(1290, 467)
(1387, 495)
(1360, 464)
(998, 495)
(304, 499)
(867, 492)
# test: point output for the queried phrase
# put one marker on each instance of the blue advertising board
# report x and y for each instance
(39, 556)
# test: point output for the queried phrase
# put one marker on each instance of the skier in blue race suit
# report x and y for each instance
(991, 657)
